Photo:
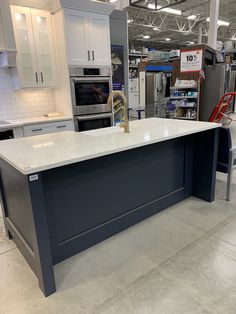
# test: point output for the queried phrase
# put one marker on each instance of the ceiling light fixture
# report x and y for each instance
(155, 28)
(167, 10)
(130, 21)
(220, 22)
(146, 37)
(192, 17)
(168, 39)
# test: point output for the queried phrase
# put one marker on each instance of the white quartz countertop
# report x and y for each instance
(27, 121)
(38, 153)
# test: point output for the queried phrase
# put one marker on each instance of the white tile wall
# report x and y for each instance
(19, 104)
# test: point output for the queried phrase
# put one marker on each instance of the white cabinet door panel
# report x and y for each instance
(100, 39)
(26, 58)
(77, 35)
(44, 45)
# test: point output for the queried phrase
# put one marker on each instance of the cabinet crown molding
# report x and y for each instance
(85, 5)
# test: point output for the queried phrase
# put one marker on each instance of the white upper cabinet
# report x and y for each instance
(35, 48)
(26, 59)
(100, 39)
(44, 46)
(77, 37)
(7, 40)
(88, 38)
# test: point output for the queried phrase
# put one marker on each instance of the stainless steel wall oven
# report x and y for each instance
(90, 89)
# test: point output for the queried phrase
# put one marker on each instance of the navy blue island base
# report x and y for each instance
(70, 208)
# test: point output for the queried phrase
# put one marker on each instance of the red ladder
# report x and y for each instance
(222, 107)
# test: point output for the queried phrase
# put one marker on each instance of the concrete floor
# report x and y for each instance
(182, 260)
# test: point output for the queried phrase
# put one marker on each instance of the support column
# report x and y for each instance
(200, 29)
(213, 24)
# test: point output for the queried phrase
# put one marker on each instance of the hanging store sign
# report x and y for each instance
(191, 60)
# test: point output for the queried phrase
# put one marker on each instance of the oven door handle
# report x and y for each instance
(90, 79)
(93, 117)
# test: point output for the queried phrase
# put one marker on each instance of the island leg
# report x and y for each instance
(42, 249)
(25, 220)
(205, 164)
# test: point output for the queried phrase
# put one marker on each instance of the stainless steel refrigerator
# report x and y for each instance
(219, 79)
(157, 89)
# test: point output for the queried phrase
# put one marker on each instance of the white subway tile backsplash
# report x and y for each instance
(19, 104)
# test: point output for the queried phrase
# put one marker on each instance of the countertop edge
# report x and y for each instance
(31, 171)
(23, 122)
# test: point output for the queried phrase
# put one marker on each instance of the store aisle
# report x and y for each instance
(182, 260)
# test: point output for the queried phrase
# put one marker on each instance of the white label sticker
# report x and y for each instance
(191, 60)
(34, 177)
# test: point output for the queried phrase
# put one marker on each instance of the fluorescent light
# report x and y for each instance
(146, 37)
(191, 43)
(155, 28)
(220, 22)
(130, 21)
(151, 6)
(191, 17)
(172, 11)
(168, 39)
(167, 10)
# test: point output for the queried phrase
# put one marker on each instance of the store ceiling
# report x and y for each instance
(178, 29)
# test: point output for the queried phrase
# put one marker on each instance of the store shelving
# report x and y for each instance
(134, 60)
(183, 97)
(138, 55)
(186, 106)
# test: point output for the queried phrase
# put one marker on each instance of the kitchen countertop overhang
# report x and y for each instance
(38, 153)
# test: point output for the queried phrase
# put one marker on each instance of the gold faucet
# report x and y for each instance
(121, 95)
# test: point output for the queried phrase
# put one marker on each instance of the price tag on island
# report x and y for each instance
(191, 61)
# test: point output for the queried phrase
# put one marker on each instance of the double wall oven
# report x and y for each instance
(90, 90)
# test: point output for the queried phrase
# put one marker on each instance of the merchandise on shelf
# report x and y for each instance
(184, 102)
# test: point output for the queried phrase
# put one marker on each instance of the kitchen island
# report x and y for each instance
(64, 192)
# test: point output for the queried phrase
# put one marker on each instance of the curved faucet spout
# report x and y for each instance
(121, 95)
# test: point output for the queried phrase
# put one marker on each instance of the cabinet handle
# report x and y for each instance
(36, 76)
(88, 55)
(61, 126)
(93, 56)
(37, 130)
(41, 73)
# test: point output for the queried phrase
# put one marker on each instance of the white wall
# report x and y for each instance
(19, 104)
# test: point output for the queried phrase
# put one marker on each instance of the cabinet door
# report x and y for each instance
(26, 59)
(2, 38)
(77, 36)
(100, 39)
(44, 45)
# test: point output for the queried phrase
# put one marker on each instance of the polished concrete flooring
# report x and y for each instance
(181, 261)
